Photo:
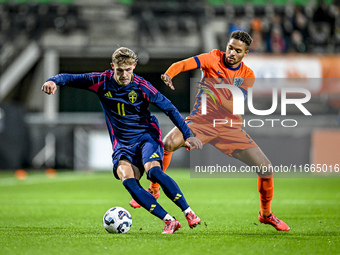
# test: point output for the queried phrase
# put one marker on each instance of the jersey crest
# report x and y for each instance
(238, 81)
(132, 96)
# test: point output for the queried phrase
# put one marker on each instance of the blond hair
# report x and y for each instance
(124, 55)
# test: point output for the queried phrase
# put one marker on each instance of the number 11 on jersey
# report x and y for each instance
(121, 110)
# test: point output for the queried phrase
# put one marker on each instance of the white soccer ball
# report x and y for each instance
(117, 220)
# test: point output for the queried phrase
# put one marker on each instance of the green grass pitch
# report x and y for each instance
(63, 215)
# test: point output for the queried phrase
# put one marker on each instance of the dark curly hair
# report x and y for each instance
(243, 37)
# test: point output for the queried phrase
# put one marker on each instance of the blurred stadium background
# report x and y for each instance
(38, 39)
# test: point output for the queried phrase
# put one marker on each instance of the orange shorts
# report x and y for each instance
(226, 139)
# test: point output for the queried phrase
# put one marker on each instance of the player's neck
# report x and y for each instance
(234, 67)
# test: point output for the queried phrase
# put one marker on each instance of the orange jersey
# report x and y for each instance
(215, 71)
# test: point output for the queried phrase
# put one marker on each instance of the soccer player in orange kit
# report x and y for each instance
(223, 68)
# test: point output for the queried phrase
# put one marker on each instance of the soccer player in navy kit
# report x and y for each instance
(134, 132)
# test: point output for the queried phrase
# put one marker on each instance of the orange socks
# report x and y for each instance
(266, 188)
(166, 159)
(154, 187)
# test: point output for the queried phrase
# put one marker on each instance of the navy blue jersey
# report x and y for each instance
(126, 107)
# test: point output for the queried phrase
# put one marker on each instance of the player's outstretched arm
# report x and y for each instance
(193, 143)
(167, 80)
(49, 87)
(176, 68)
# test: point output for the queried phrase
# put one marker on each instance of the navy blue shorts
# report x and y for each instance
(148, 149)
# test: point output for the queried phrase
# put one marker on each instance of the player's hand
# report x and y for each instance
(167, 80)
(49, 87)
(193, 143)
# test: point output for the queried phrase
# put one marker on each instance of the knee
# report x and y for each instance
(150, 165)
(125, 171)
(169, 145)
(172, 142)
(124, 175)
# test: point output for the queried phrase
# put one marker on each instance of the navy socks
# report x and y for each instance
(144, 198)
(169, 186)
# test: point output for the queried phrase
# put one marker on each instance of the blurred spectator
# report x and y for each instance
(337, 36)
(258, 45)
(256, 33)
(300, 22)
(277, 40)
(297, 42)
(323, 15)
(320, 33)
(322, 28)
(300, 34)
